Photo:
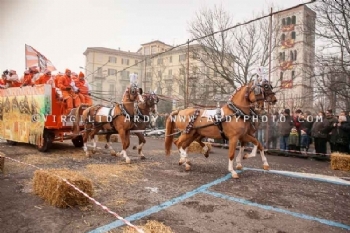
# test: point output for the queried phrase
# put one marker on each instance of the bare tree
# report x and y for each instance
(333, 54)
(232, 54)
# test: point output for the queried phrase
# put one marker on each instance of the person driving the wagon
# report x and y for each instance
(84, 89)
(68, 92)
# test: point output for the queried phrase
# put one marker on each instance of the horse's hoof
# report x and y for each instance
(117, 154)
(266, 167)
(106, 146)
(93, 151)
(188, 162)
(143, 157)
(206, 155)
(127, 160)
(235, 176)
(187, 167)
(134, 147)
(245, 156)
(88, 154)
(180, 163)
(239, 167)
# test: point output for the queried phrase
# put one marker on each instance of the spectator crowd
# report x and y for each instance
(299, 130)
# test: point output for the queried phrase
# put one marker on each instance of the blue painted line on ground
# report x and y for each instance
(267, 207)
(296, 176)
(160, 207)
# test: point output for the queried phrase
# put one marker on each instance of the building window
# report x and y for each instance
(182, 57)
(283, 37)
(112, 60)
(169, 90)
(99, 71)
(294, 19)
(154, 49)
(111, 88)
(160, 74)
(289, 21)
(136, 62)
(112, 72)
(282, 56)
(160, 61)
(291, 54)
(294, 35)
(146, 50)
(125, 74)
(293, 74)
(182, 71)
(170, 72)
(125, 61)
(170, 59)
(283, 22)
(281, 76)
(99, 87)
(295, 55)
(148, 62)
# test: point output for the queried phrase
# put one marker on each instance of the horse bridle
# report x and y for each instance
(151, 100)
(265, 90)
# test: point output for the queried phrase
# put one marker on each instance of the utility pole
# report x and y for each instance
(268, 106)
(188, 72)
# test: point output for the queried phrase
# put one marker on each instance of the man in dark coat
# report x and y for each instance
(284, 127)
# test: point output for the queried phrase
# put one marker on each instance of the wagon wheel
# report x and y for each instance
(12, 143)
(78, 141)
(47, 140)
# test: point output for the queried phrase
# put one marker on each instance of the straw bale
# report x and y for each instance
(340, 161)
(56, 192)
(150, 227)
(195, 147)
(102, 138)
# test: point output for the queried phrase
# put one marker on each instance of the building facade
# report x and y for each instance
(159, 67)
(294, 58)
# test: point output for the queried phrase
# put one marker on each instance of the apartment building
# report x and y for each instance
(160, 67)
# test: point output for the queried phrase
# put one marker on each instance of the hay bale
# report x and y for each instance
(102, 138)
(57, 192)
(340, 161)
(150, 227)
(114, 138)
(195, 147)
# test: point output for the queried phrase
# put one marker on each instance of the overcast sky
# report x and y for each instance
(62, 30)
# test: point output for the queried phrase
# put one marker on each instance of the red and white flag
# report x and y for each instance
(34, 58)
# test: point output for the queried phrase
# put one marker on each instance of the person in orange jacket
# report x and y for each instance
(12, 79)
(28, 76)
(46, 78)
(67, 86)
(84, 89)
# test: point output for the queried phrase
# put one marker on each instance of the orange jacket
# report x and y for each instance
(64, 82)
(83, 88)
(27, 79)
(43, 79)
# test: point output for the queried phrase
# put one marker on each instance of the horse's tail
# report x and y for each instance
(169, 130)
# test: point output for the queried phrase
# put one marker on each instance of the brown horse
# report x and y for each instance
(143, 112)
(117, 119)
(234, 129)
(269, 96)
(142, 120)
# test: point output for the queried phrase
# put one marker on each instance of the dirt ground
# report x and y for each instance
(128, 189)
